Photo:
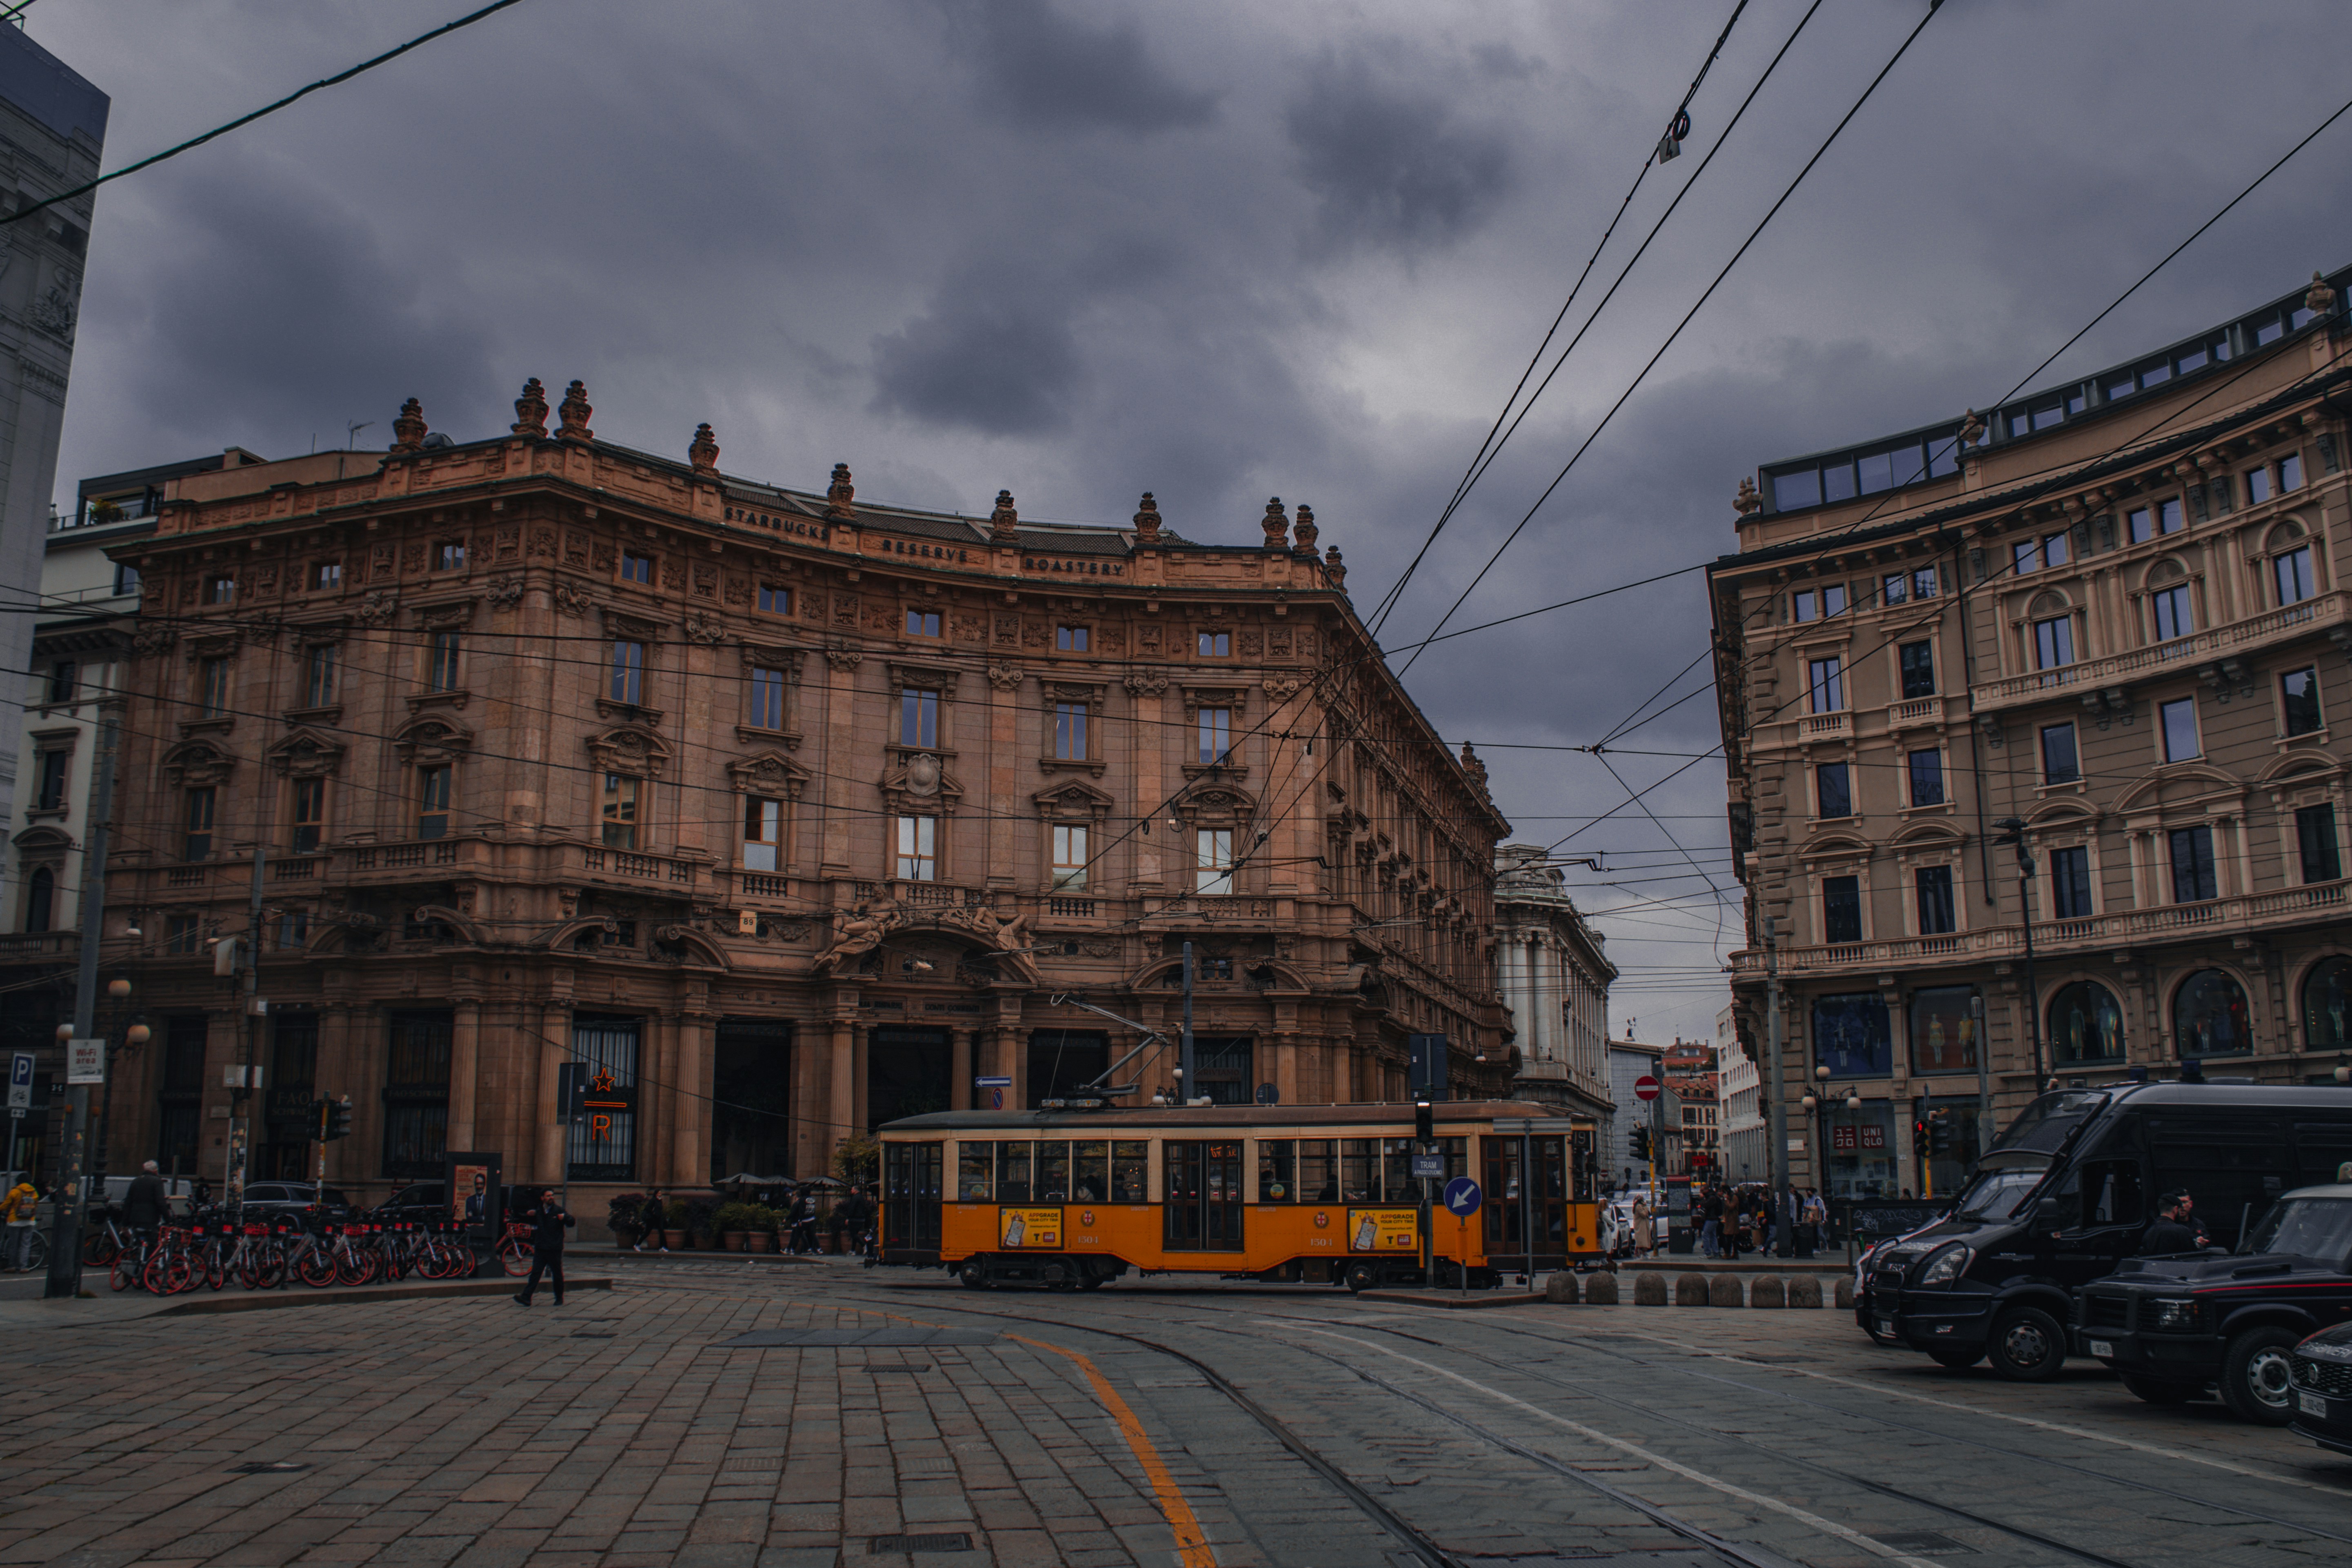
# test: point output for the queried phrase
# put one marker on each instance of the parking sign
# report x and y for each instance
(20, 1081)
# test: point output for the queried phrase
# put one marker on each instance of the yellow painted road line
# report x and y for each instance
(1192, 1545)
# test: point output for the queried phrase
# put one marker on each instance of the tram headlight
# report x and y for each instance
(1948, 1265)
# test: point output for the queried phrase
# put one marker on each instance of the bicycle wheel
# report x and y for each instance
(269, 1267)
(38, 1258)
(216, 1268)
(354, 1267)
(97, 1250)
(125, 1271)
(514, 1256)
(315, 1268)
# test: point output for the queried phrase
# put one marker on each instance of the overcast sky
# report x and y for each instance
(1214, 251)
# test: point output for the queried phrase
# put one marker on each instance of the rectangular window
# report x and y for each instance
(2180, 720)
(620, 811)
(2139, 525)
(1935, 889)
(62, 681)
(2290, 472)
(1073, 639)
(1918, 661)
(922, 623)
(449, 556)
(2061, 765)
(1216, 735)
(197, 844)
(2299, 699)
(441, 662)
(602, 1146)
(2167, 515)
(326, 575)
(2053, 550)
(767, 699)
(2070, 883)
(1804, 605)
(628, 681)
(1069, 857)
(775, 601)
(1894, 590)
(1923, 583)
(1832, 599)
(2192, 865)
(126, 579)
(2314, 834)
(1928, 777)
(1834, 787)
(636, 568)
(2291, 572)
(1841, 909)
(1826, 681)
(1792, 492)
(433, 801)
(309, 815)
(2025, 556)
(221, 590)
(918, 848)
(50, 791)
(1216, 645)
(1070, 731)
(918, 717)
(293, 928)
(2053, 642)
(975, 1172)
(1214, 865)
(211, 680)
(2170, 608)
(319, 676)
(764, 833)
(2258, 485)
(181, 936)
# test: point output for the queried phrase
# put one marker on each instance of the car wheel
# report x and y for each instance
(2157, 1390)
(2027, 1346)
(1956, 1359)
(2255, 1377)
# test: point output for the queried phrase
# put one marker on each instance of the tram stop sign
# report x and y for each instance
(1463, 1197)
(1645, 1088)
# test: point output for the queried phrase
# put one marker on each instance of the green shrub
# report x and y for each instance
(674, 1214)
(734, 1216)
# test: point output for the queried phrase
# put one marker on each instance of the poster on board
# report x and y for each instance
(474, 1196)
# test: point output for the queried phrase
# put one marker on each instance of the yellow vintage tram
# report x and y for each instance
(1325, 1193)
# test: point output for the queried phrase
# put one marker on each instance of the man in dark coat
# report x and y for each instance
(144, 1205)
(2176, 1231)
(547, 1224)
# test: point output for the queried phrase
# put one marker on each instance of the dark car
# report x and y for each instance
(2173, 1326)
(2320, 1368)
(430, 1201)
(307, 1201)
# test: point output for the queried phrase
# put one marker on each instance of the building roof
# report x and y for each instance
(44, 87)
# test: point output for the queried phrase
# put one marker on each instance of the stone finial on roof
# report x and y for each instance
(2319, 299)
(1306, 532)
(1276, 524)
(573, 412)
(1749, 500)
(408, 430)
(1972, 427)
(530, 411)
(1334, 570)
(1004, 521)
(1147, 520)
(1474, 767)
(704, 451)
(840, 494)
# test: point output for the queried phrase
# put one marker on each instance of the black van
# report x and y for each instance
(2066, 1193)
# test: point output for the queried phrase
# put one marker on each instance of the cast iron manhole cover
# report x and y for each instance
(1922, 1543)
(956, 1542)
(267, 1467)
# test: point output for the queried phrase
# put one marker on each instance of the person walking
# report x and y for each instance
(803, 1222)
(18, 1206)
(1645, 1230)
(653, 1221)
(1710, 1234)
(144, 1205)
(853, 1217)
(1809, 1229)
(547, 1228)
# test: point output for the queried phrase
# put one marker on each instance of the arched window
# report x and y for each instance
(2293, 577)
(2170, 613)
(2085, 1026)
(2209, 1017)
(2327, 1006)
(41, 900)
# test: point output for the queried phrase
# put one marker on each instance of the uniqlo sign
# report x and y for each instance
(1841, 1137)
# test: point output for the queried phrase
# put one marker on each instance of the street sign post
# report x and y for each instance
(1645, 1088)
(1463, 1197)
(85, 1061)
(20, 1081)
(992, 1083)
(1429, 1165)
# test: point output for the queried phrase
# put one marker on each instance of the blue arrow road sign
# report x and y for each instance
(1462, 1197)
(992, 1083)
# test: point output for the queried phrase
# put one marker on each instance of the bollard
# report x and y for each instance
(1767, 1290)
(1600, 1291)
(1723, 1291)
(1845, 1293)
(1560, 1288)
(1649, 1289)
(1690, 1290)
(1804, 1290)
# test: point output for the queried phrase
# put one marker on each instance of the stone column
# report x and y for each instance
(688, 1159)
(833, 786)
(552, 1049)
(861, 1067)
(338, 1065)
(808, 1068)
(841, 1082)
(464, 1035)
(960, 1069)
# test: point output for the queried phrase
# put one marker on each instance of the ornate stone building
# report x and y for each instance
(1555, 980)
(793, 813)
(2111, 611)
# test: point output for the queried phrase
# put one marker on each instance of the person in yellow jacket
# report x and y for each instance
(16, 1207)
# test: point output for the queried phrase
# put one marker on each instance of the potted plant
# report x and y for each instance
(674, 1225)
(732, 1222)
(699, 1212)
(623, 1217)
(762, 1234)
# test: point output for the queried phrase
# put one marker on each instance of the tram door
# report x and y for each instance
(911, 1177)
(1518, 1200)
(1205, 1197)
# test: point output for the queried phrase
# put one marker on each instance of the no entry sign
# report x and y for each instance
(1645, 1088)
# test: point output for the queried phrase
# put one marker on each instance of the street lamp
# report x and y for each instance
(2012, 833)
(117, 992)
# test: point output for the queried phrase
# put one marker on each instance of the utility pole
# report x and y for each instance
(1776, 1148)
(2012, 833)
(241, 1136)
(1184, 1041)
(65, 1239)
(1984, 1078)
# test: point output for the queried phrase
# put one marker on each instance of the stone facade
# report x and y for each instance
(791, 813)
(2110, 610)
(1555, 979)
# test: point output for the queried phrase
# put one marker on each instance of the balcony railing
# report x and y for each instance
(18, 946)
(2274, 626)
(2120, 929)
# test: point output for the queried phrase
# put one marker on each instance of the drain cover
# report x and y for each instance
(1923, 1543)
(267, 1467)
(956, 1542)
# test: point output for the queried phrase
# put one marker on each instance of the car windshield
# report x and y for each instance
(2045, 1124)
(2308, 1227)
(1995, 1194)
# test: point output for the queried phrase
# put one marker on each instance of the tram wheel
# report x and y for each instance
(1360, 1277)
(973, 1273)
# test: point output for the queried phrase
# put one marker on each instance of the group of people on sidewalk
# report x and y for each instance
(853, 1218)
(1752, 1218)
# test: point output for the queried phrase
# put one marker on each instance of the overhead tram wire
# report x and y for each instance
(1642, 376)
(265, 111)
(1680, 120)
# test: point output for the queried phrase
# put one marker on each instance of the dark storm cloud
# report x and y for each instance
(1391, 165)
(993, 353)
(1035, 67)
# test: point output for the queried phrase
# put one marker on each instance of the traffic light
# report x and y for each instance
(1642, 1142)
(1940, 1133)
(338, 1119)
(1424, 1120)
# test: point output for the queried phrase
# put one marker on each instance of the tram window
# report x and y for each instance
(975, 1173)
(1359, 1170)
(1090, 1175)
(1130, 1164)
(1277, 1178)
(1397, 1185)
(1013, 1172)
(1318, 1174)
(1053, 1173)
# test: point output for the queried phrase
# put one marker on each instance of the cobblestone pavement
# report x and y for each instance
(703, 1413)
